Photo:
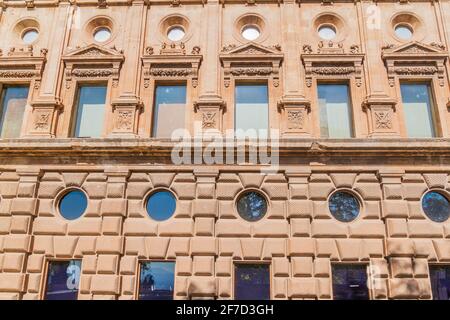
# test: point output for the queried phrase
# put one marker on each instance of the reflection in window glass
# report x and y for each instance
(13, 109)
(327, 32)
(335, 112)
(350, 282)
(161, 205)
(403, 32)
(252, 110)
(250, 33)
(175, 34)
(440, 282)
(436, 206)
(344, 206)
(418, 110)
(73, 205)
(102, 35)
(156, 281)
(90, 111)
(252, 206)
(170, 108)
(30, 36)
(63, 280)
(252, 282)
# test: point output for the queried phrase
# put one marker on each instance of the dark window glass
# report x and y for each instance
(73, 204)
(440, 282)
(252, 206)
(63, 280)
(252, 110)
(335, 111)
(13, 109)
(344, 206)
(436, 206)
(170, 108)
(417, 109)
(156, 281)
(252, 282)
(350, 282)
(161, 205)
(90, 111)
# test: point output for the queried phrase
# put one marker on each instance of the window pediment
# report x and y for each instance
(415, 60)
(93, 62)
(172, 62)
(20, 63)
(332, 62)
(251, 60)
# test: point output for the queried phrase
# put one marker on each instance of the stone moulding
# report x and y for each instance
(251, 61)
(171, 64)
(415, 60)
(93, 62)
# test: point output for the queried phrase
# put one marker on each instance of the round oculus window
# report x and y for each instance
(102, 34)
(250, 33)
(344, 206)
(251, 206)
(73, 204)
(176, 33)
(403, 32)
(161, 205)
(30, 36)
(327, 32)
(436, 206)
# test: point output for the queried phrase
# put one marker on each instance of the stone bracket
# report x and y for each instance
(381, 116)
(295, 116)
(44, 115)
(211, 110)
(126, 116)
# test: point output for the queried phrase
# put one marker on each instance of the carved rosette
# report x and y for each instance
(332, 63)
(251, 61)
(210, 111)
(295, 116)
(125, 116)
(381, 116)
(93, 63)
(171, 64)
(415, 60)
(44, 117)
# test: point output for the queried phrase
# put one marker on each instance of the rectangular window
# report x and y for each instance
(170, 109)
(156, 280)
(417, 108)
(14, 101)
(90, 111)
(350, 282)
(440, 282)
(252, 282)
(252, 110)
(63, 280)
(335, 111)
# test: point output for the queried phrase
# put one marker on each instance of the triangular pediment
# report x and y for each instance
(250, 49)
(93, 50)
(416, 48)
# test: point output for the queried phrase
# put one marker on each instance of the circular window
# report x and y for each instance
(327, 32)
(161, 205)
(30, 36)
(73, 204)
(250, 33)
(176, 33)
(403, 32)
(251, 206)
(102, 34)
(436, 206)
(344, 206)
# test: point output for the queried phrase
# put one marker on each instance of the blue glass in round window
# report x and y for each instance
(252, 206)
(161, 205)
(436, 206)
(344, 206)
(73, 204)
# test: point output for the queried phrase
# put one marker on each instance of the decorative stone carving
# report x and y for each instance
(125, 116)
(330, 47)
(295, 114)
(415, 60)
(44, 117)
(380, 112)
(93, 62)
(171, 63)
(251, 61)
(211, 110)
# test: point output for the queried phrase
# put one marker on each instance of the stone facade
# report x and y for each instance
(298, 237)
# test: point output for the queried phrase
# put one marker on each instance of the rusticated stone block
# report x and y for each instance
(424, 248)
(223, 266)
(205, 190)
(413, 191)
(393, 191)
(178, 247)
(274, 248)
(442, 249)
(115, 190)
(300, 227)
(183, 266)
(202, 287)
(367, 229)
(424, 288)
(324, 288)
(251, 180)
(140, 227)
(327, 248)
(424, 229)
(85, 227)
(205, 208)
(372, 210)
(95, 190)
(203, 266)
(280, 267)
(271, 228)
(85, 245)
(49, 189)
(107, 264)
(301, 247)
(298, 191)
(103, 297)
(302, 288)
(225, 287)
(111, 226)
(394, 209)
(89, 264)
(379, 268)
(232, 228)
(252, 248)
(12, 282)
(105, 284)
(371, 248)
(276, 191)
(156, 247)
(181, 286)
(227, 191)
(184, 191)
(128, 285)
(138, 190)
(349, 249)
(302, 266)
(399, 247)
(404, 288)
(320, 191)
(13, 262)
(35, 263)
(379, 288)
(299, 209)
(161, 179)
(321, 210)
(64, 246)
(203, 246)
(74, 179)
(23, 206)
(401, 267)
(204, 227)
(279, 288)
(49, 226)
(8, 189)
(435, 180)
(5, 223)
(113, 207)
(109, 245)
(16, 243)
(34, 281)
(176, 228)
(230, 247)
(20, 224)
(128, 265)
(420, 268)
(328, 229)
(9, 296)
(43, 244)
(397, 228)
(368, 191)
(322, 267)
(343, 180)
